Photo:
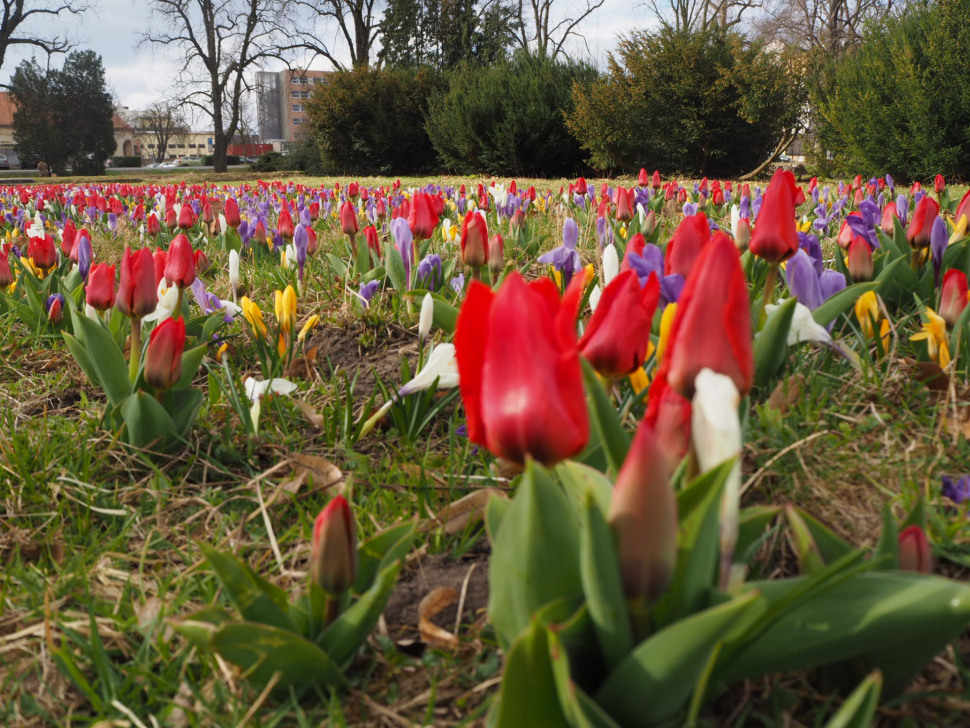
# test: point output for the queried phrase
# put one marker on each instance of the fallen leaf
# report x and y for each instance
(308, 410)
(302, 366)
(468, 510)
(324, 472)
(787, 393)
(433, 603)
(506, 469)
(293, 485)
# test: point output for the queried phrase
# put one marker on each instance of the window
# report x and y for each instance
(180, 146)
(210, 141)
(151, 146)
(191, 146)
(299, 80)
(300, 94)
(298, 107)
(298, 122)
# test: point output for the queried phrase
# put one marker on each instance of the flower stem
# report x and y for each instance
(768, 292)
(476, 273)
(134, 355)
(331, 610)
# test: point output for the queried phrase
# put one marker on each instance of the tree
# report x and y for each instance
(702, 102)
(19, 20)
(542, 28)
(164, 123)
(691, 15)
(223, 42)
(828, 26)
(64, 115)
(358, 22)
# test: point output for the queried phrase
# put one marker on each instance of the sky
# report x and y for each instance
(140, 75)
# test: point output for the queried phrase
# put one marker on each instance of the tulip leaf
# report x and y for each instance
(842, 301)
(752, 528)
(961, 331)
(569, 618)
(339, 267)
(82, 358)
(529, 696)
(395, 267)
(899, 237)
(445, 315)
(199, 626)
(343, 638)
(579, 713)
(887, 550)
(211, 325)
(831, 546)
(859, 709)
(535, 558)
(809, 557)
(382, 550)
(261, 651)
(495, 510)
(600, 572)
(892, 620)
(362, 262)
(580, 480)
(107, 358)
(771, 343)
(654, 683)
(147, 422)
(256, 599)
(183, 406)
(615, 440)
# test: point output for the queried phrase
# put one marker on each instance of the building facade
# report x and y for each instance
(282, 99)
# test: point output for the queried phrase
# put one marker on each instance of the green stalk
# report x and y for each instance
(134, 356)
(768, 292)
(331, 610)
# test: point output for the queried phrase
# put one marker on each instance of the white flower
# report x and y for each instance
(168, 298)
(594, 297)
(499, 194)
(288, 256)
(803, 325)
(255, 389)
(611, 264)
(641, 213)
(233, 272)
(735, 219)
(427, 315)
(716, 431)
(441, 365)
(223, 225)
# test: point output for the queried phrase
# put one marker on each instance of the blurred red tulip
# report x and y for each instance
(163, 359)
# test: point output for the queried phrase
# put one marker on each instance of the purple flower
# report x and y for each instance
(957, 489)
(367, 290)
(889, 182)
(938, 243)
(458, 283)
(810, 244)
(404, 239)
(690, 209)
(301, 243)
(54, 297)
(652, 261)
(84, 256)
(831, 282)
(429, 272)
(803, 280)
(565, 259)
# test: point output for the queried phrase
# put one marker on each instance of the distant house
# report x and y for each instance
(125, 136)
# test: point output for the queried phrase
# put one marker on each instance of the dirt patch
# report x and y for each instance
(365, 352)
(432, 572)
(63, 403)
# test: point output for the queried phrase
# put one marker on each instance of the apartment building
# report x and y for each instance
(282, 99)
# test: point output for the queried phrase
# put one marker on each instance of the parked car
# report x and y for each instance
(171, 164)
(29, 161)
(4, 162)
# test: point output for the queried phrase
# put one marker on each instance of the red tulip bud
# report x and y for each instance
(474, 240)
(186, 217)
(921, 224)
(333, 560)
(6, 275)
(860, 260)
(370, 235)
(939, 184)
(914, 551)
(284, 225)
(137, 288)
(99, 293)
(231, 211)
(348, 219)
(180, 268)
(163, 359)
(496, 254)
(953, 296)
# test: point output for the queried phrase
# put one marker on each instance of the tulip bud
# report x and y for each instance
(939, 184)
(233, 272)
(643, 515)
(649, 223)
(348, 219)
(860, 260)
(99, 293)
(517, 223)
(163, 360)
(137, 289)
(914, 551)
(333, 560)
(953, 296)
(259, 233)
(284, 224)
(231, 210)
(742, 236)
(474, 240)
(186, 218)
(171, 219)
(55, 308)
(611, 264)
(496, 254)
(6, 275)
(180, 267)
(202, 262)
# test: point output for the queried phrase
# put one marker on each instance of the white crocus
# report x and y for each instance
(804, 327)
(499, 194)
(735, 219)
(168, 298)
(611, 264)
(426, 318)
(441, 366)
(594, 297)
(641, 213)
(716, 432)
(256, 388)
(223, 225)
(233, 273)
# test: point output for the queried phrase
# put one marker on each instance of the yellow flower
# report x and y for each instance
(589, 275)
(222, 350)
(557, 277)
(286, 310)
(309, 326)
(254, 316)
(805, 227)
(623, 231)
(867, 312)
(959, 230)
(666, 322)
(934, 334)
(639, 380)
(29, 264)
(884, 331)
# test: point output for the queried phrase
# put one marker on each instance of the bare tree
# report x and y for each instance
(20, 18)
(357, 29)
(542, 28)
(224, 41)
(164, 123)
(820, 25)
(693, 15)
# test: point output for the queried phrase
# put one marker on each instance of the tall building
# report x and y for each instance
(281, 105)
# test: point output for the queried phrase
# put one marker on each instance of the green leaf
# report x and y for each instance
(107, 358)
(809, 556)
(261, 651)
(752, 525)
(445, 315)
(859, 709)
(842, 301)
(349, 631)
(395, 268)
(961, 330)
(256, 599)
(339, 267)
(362, 263)
(887, 549)
(771, 343)
(495, 510)
(599, 567)
(528, 697)
(654, 683)
(581, 480)
(381, 550)
(616, 440)
(199, 626)
(80, 355)
(535, 559)
(147, 423)
(183, 406)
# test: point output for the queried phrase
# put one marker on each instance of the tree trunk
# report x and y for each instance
(220, 164)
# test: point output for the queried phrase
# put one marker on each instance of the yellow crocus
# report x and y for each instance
(309, 326)
(589, 275)
(286, 310)
(934, 334)
(639, 380)
(666, 323)
(623, 231)
(805, 226)
(29, 264)
(867, 312)
(959, 230)
(222, 350)
(254, 316)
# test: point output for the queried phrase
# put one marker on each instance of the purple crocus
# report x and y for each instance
(367, 291)
(565, 259)
(404, 240)
(811, 245)
(84, 256)
(300, 242)
(429, 273)
(652, 262)
(831, 282)
(458, 283)
(957, 489)
(803, 280)
(938, 243)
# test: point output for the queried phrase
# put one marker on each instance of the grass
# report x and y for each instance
(100, 543)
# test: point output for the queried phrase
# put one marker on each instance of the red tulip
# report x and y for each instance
(180, 268)
(920, 227)
(202, 262)
(581, 187)
(370, 235)
(160, 260)
(231, 211)
(914, 551)
(775, 236)
(624, 204)
(712, 328)
(259, 233)
(953, 296)
(348, 219)
(186, 217)
(153, 227)
(422, 218)
(67, 238)
(137, 288)
(889, 215)
(163, 359)
(171, 219)
(333, 558)
(99, 293)
(690, 239)
(474, 240)
(496, 254)
(636, 245)
(618, 334)
(643, 179)
(314, 211)
(41, 250)
(656, 183)
(311, 241)
(6, 275)
(670, 416)
(860, 260)
(963, 209)
(643, 515)
(55, 309)
(139, 213)
(519, 371)
(284, 225)
(939, 184)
